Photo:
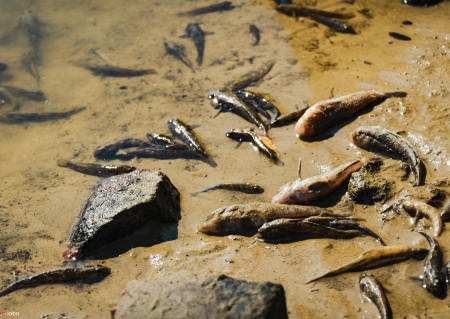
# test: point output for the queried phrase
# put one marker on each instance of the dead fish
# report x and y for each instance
(262, 142)
(248, 188)
(185, 133)
(378, 139)
(109, 149)
(96, 169)
(429, 212)
(256, 33)
(248, 217)
(377, 257)
(222, 6)
(58, 276)
(164, 140)
(249, 78)
(31, 28)
(316, 187)
(221, 100)
(399, 36)
(107, 70)
(197, 35)
(38, 96)
(178, 52)
(298, 11)
(334, 24)
(284, 227)
(323, 115)
(372, 290)
(345, 224)
(290, 117)
(261, 103)
(432, 277)
(19, 117)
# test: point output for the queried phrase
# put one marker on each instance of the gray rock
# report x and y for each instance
(193, 297)
(119, 205)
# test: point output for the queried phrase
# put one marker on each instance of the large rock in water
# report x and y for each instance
(119, 205)
(193, 297)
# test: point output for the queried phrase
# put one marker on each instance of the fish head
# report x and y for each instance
(101, 270)
(218, 221)
(291, 193)
(238, 134)
(305, 126)
(434, 284)
(278, 228)
(213, 97)
(70, 254)
(258, 188)
(269, 231)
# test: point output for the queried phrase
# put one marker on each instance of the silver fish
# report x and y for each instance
(372, 290)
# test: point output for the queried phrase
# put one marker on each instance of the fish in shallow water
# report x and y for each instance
(372, 290)
(378, 139)
(197, 35)
(221, 99)
(109, 149)
(334, 24)
(377, 257)
(38, 96)
(185, 133)
(251, 77)
(262, 142)
(31, 28)
(429, 212)
(316, 187)
(58, 276)
(399, 36)
(221, 6)
(20, 117)
(432, 277)
(113, 71)
(178, 52)
(100, 170)
(299, 11)
(323, 115)
(3, 67)
(248, 217)
(165, 140)
(248, 188)
(261, 103)
(256, 33)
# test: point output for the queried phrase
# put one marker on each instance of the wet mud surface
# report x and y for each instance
(40, 202)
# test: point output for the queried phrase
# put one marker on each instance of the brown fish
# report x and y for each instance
(96, 169)
(289, 118)
(372, 290)
(298, 11)
(107, 70)
(334, 24)
(222, 6)
(109, 149)
(19, 117)
(256, 33)
(249, 188)
(429, 212)
(323, 115)
(249, 78)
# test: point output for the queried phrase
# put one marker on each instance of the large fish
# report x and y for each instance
(372, 290)
(429, 212)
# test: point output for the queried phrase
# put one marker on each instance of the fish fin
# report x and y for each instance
(184, 36)
(278, 162)
(193, 194)
(396, 94)
(62, 162)
(207, 32)
(239, 144)
(268, 142)
(299, 170)
(220, 110)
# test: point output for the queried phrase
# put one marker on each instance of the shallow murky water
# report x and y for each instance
(40, 202)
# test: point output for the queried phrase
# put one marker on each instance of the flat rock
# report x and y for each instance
(119, 205)
(194, 297)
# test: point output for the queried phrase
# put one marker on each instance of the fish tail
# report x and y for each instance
(150, 71)
(396, 94)
(199, 60)
(278, 162)
(62, 162)
(193, 194)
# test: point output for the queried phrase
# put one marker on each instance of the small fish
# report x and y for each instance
(260, 102)
(249, 78)
(185, 133)
(164, 140)
(31, 28)
(378, 139)
(284, 227)
(256, 33)
(248, 188)
(262, 142)
(19, 117)
(372, 290)
(298, 11)
(248, 217)
(316, 187)
(38, 96)
(290, 117)
(161, 152)
(109, 149)
(197, 35)
(399, 36)
(178, 52)
(107, 70)
(58, 276)
(323, 115)
(3, 67)
(432, 278)
(96, 169)
(334, 24)
(226, 100)
(222, 6)
(429, 212)
(6, 96)
(31, 61)
(377, 257)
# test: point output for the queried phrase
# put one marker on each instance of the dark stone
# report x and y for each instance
(117, 206)
(194, 297)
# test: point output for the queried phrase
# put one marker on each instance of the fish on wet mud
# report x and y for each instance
(294, 10)
(372, 291)
(224, 100)
(376, 258)
(290, 117)
(165, 140)
(178, 52)
(323, 115)
(256, 33)
(109, 149)
(20, 117)
(378, 139)
(221, 6)
(31, 28)
(286, 227)
(58, 276)
(433, 278)
(162, 152)
(316, 187)
(101, 170)
(333, 24)
(113, 71)
(249, 188)
(261, 103)
(399, 36)
(248, 217)
(197, 36)
(37, 96)
(429, 212)
(185, 133)
(251, 77)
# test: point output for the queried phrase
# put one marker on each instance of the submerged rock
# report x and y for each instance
(119, 205)
(193, 297)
